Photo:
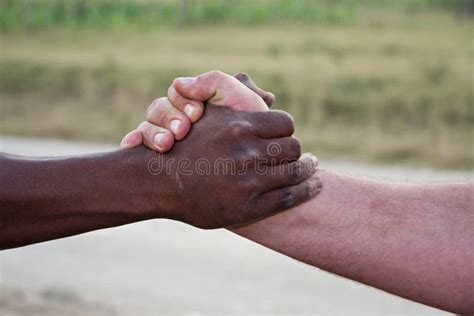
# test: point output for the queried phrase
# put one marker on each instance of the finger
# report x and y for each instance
(268, 97)
(290, 174)
(203, 87)
(192, 108)
(290, 196)
(279, 150)
(155, 137)
(271, 124)
(218, 88)
(162, 113)
(132, 139)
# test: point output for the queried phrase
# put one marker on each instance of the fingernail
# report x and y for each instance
(174, 126)
(184, 81)
(158, 138)
(189, 109)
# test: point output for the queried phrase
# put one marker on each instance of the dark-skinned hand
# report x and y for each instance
(228, 170)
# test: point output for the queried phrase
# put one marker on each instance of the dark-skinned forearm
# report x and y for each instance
(49, 198)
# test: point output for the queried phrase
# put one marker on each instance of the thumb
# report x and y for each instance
(220, 89)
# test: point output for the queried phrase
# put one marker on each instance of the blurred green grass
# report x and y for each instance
(81, 14)
(384, 81)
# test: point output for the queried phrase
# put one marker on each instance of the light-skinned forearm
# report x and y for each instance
(412, 240)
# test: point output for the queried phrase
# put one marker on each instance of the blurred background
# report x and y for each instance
(384, 81)
(369, 83)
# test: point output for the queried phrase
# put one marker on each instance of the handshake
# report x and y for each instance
(237, 164)
(239, 167)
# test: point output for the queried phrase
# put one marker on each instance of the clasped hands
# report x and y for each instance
(242, 162)
(233, 163)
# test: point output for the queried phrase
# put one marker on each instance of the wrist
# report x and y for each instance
(133, 193)
(111, 186)
(145, 183)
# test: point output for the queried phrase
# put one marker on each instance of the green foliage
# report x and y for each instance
(18, 15)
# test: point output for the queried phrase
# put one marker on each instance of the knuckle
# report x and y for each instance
(250, 183)
(245, 158)
(159, 111)
(146, 130)
(260, 152)
(237, 128)
(296, 171)
(288, 198)
(215, 74)
(155, 107)
(308, 189)
(176, 100)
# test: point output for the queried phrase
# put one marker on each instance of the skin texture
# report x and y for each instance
(412, 240)
(205, 88)
(48, 198)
